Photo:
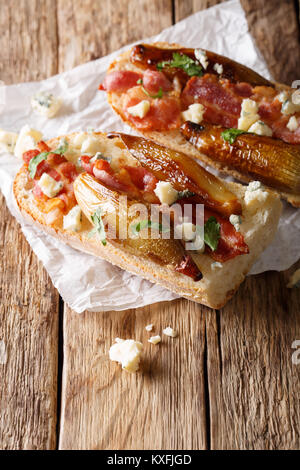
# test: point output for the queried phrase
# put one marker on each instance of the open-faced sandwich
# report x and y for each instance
(124, 199)
(213, 109)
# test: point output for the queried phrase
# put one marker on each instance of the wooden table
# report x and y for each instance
(228, 381)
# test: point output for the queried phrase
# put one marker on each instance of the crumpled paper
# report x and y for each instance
(85, 282)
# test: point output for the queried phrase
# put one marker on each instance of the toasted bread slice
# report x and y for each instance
(173, 138)
(261, 212)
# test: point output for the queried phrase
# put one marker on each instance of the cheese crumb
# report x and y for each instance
(194, 113)
(260, 128)
(202, 57)
(254, 185)
(218, 68)
(249, 114)
(254, 193)
(90, 146)
(45, 104)
(78, 139)
(170, 332)
(216, 264)
(149, 327)
(72, 221)
(49, 186)
(294, 280)
(154, 339)
(235, 220)
(27, 140)
(127, 353)
(139, 110)
(7, 141)
(288, 107)
(292, 125)
(166, 193)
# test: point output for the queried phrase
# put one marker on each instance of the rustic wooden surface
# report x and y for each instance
(29, 302)
(227, 382)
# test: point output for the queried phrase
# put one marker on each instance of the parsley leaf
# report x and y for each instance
(35, 161)
(231, 134)
(99, 226)
(158, 95)
(182, 61)
(136, 228)
(212, 233)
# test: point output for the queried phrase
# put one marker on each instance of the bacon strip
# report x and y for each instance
(231, 242)
(120, 81)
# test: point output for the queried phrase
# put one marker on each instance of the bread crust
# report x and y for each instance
(173, 138)
(217, 286)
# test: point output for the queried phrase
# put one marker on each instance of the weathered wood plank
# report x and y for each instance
(102, 406)
(91, 29)
(253, 384)
(29, 306)
(28, 40)
(275, 27)
(188, 7)
(160, 407)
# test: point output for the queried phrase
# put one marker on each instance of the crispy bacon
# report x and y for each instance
(221, 102)
(231, 242)
(27, 156)
(103, 172)
(68, 170)
(189, 268)
(142, 178)
(154, 80)
(42, 167)
(86, 165)
(163, 114)
(120, 81)
(38, 193)
(53, 173)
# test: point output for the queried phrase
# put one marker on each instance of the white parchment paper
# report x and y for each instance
(84, 281)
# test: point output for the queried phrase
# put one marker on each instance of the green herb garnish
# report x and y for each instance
(212, 233)
(136, 228)
(35, 161)
(231, 134)
(99, 226)
(158, 95)
(182, 61)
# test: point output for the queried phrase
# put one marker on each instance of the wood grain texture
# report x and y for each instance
(160, 407)
(188, 7)
(28, 40)
(253, 384)
(275, 27)
(227, 381)
(28, 331)
(29, 306)
(90, 29)
(115, 409)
